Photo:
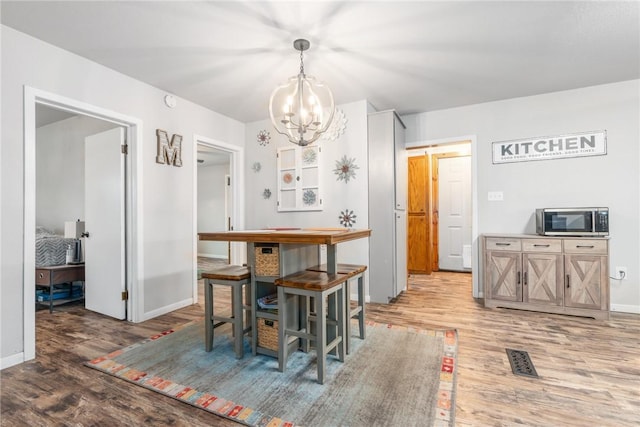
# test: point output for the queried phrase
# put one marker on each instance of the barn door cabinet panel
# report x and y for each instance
(586, 270)
(551, 274)
(503, 275)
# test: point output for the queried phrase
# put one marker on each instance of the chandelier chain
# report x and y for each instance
(301, 63)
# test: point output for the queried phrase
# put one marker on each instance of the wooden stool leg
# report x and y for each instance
(282, 327)
(321, 337)
(306, 304)
(361, 304)
(237, 320)
(332, 332)
(254, 319)
(208, 313)
(249, 307)
(341, 323)
(347, 310)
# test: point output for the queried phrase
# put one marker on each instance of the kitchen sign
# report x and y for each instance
(554, 147)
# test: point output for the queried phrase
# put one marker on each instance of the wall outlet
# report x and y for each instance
(621, 273)
(495, 196)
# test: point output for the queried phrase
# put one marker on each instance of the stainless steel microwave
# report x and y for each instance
(572, 221)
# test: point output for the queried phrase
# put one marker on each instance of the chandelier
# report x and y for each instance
(302, 108)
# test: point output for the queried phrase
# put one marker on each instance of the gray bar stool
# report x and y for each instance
(327, 290)
(236, 277)
(353, 271)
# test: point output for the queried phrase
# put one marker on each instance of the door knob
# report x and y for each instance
(85, 234)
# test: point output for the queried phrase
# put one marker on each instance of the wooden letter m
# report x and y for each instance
(169, 152)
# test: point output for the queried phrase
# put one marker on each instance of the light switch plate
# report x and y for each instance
(495, 196)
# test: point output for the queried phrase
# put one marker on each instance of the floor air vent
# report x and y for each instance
(521, 363)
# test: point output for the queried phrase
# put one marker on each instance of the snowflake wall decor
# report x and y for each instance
(264, 137)
(309, 197)
(256, 167)
(345, 169)
(309, 156)
(337, 127)
(266, 194)
(347, 218)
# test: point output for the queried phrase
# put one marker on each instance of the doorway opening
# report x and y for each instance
(214, 198)
(80, 227)
(441, 183)
(218, 205)
(129, 128)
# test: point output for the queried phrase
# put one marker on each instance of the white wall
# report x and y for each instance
(211, 204)
(337, 195)
(165, 274)
(612, 180)
(60, 170)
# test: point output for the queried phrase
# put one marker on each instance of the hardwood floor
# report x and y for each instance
(589, 370)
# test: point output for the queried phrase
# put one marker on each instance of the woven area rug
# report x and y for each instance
(397, 376)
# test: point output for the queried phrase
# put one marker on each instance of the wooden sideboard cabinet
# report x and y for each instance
(563, 275)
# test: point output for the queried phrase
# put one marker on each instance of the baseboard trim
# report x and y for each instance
(213, 256)
(9, 361)
(625, 308)
(167, 309)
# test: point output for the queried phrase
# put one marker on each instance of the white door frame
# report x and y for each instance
(236, 155)
(475, 264)
(134, 212)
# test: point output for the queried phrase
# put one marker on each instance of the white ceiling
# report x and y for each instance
(410, 56)
(208, 156)
(47, 115)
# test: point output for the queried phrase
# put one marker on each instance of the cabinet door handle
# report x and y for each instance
(585, 246)
(525, 279)
(518, 277)
(503, 244)
(540, 246)
(567, 281)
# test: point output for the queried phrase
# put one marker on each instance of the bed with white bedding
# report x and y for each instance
(51, 248)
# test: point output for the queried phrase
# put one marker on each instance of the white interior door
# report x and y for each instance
(105, 223)
(454, 229)
(228, 211)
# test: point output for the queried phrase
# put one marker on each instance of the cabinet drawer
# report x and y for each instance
(542, 245)
(43, 277)
(503, 244)
(59, 274)
(585, 246)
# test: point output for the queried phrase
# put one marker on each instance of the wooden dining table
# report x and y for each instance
(297, 248)
(330, 237)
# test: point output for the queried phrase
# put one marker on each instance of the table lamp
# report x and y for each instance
(75, 230)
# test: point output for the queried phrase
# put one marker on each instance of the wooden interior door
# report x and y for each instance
(418, 244)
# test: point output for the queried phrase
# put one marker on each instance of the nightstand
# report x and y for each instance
(54, 278)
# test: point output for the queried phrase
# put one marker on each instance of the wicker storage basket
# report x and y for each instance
(268, 334)
(267, 260)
